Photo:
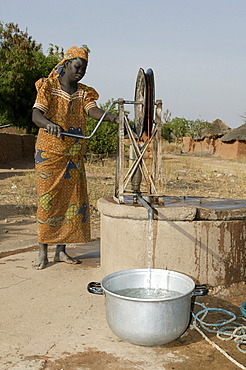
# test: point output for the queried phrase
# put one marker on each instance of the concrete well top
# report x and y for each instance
(178, 208)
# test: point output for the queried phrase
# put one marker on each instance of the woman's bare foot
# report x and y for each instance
(40, 263)
(62, 256)
(42, 260)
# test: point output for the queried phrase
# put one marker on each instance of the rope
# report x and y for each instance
(236, 332)
(239, 338)
(218, 348)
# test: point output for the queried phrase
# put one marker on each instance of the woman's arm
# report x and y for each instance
(97, 113)
(42, 122)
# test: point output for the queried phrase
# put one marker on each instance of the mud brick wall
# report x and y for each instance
(229, 150)
(14, 147)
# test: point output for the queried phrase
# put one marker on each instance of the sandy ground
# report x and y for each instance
(48, 319)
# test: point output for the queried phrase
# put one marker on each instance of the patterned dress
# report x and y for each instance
(63, 207)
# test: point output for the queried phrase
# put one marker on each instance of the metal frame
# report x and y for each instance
(148, 157)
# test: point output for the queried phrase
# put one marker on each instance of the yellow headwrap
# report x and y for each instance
(73, 52)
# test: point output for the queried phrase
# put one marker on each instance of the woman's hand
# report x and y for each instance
(53, 129)
(42, 122)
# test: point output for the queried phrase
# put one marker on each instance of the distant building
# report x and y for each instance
(217, 129)
(219, 140)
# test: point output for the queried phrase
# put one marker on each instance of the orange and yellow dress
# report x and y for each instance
(63, 208)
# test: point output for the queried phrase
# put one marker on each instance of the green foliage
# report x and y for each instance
(105, 139)
(181, 127)
(45, 64)
(196, 128)
(22, 63)
(166, 130)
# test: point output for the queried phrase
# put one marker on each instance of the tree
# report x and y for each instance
(180, 127)
(22, 63)
(196, 127)
(166, 131)
(46, 63)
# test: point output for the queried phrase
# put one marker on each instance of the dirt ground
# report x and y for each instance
(48, 320)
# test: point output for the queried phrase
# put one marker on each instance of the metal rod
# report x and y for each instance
(78, 136)
(135, 147)
(132, 102)
(121, 153)
(5, 126)
(65, 133)
(140, 154)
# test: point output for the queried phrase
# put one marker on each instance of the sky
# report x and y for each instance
(196, 48)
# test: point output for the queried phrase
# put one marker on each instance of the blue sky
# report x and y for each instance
(196, 48)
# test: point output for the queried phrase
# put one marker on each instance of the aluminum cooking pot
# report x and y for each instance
(147, 321)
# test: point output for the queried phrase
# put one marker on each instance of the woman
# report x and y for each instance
(61, 105)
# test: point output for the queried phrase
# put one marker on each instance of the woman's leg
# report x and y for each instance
(62, 256)
(42, 257)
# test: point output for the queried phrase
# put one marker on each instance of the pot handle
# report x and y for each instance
(200, 289)
(95, 288)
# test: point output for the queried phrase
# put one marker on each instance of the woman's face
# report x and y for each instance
(75, 69)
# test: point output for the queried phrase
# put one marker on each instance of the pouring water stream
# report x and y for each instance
(149, 291)
(150, 251)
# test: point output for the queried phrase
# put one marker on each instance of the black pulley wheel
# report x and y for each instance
(150, 102)
(141, 99)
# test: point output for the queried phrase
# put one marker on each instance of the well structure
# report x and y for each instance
(203, 238)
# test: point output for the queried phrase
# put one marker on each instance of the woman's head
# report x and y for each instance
(72, 57)
(75, 68)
